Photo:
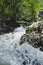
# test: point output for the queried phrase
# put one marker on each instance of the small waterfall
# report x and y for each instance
(11, 53)
(12, 39)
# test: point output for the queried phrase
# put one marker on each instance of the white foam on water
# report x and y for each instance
(13, 54)
(29, 55)
(10, 40)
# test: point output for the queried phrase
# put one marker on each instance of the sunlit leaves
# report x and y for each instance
(26, 8)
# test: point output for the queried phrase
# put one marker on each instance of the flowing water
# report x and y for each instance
(11, 53)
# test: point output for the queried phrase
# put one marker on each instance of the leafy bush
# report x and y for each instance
(20, 8)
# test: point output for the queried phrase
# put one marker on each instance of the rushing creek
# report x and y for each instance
(12, 53)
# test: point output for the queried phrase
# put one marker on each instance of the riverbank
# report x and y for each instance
(7, 25)
(34, 35)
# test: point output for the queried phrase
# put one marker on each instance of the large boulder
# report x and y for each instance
(35, 34)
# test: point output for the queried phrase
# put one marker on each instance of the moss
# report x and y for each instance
(29, 30)
(37, 19)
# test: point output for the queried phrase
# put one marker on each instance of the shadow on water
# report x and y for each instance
(4, 64)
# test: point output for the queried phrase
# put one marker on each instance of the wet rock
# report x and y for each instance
(35, 45)
(41, 48)
(23, 39)
(24, 63)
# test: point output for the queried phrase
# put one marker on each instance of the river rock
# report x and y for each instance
(23, 39)
(41, 48)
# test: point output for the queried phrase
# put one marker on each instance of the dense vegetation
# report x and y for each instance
(20, 9)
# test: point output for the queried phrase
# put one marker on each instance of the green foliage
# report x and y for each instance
(9, 7)
(20, 8)
(31, 7)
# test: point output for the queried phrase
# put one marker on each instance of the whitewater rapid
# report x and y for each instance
(11, 39)
(12, 53)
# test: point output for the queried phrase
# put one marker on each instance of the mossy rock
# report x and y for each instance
(29, 30)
